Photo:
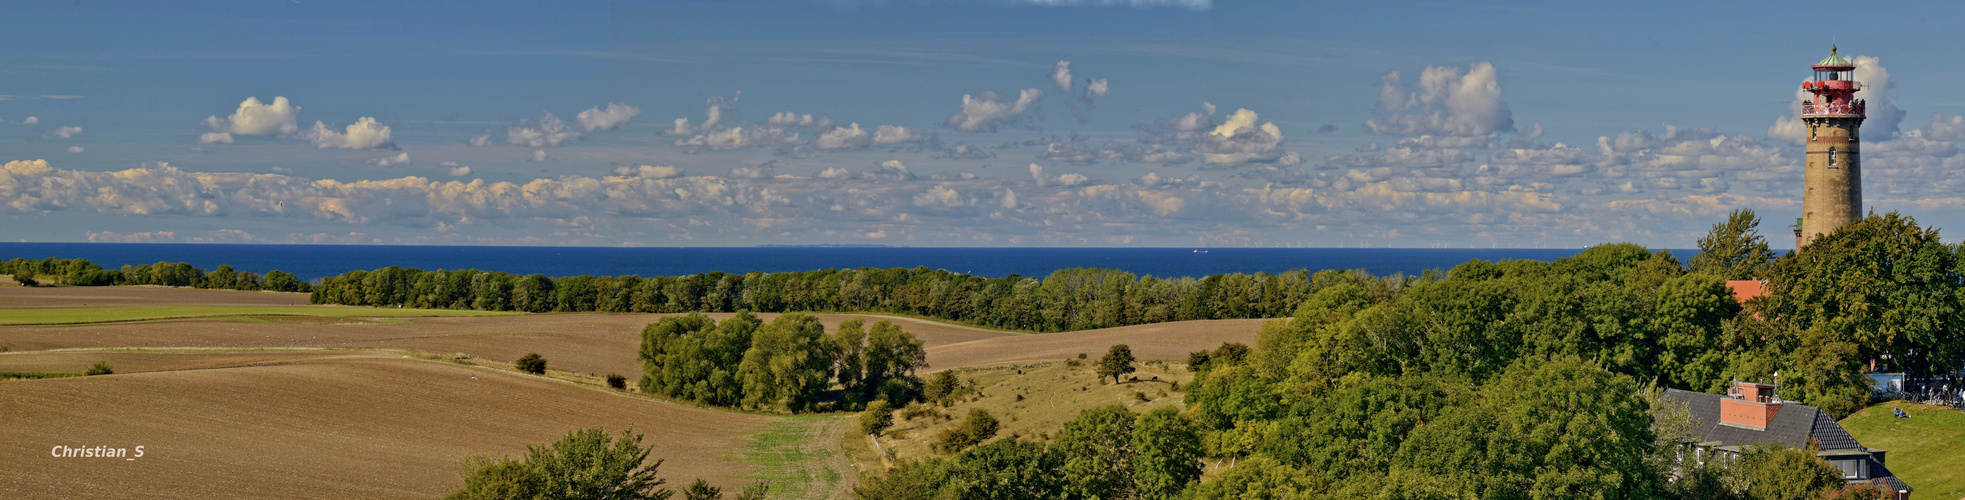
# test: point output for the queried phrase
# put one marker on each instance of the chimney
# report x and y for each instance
(1749, 404)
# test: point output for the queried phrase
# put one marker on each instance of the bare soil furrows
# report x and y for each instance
(18, 297)
(324, 425)
(133, 361)
(1156, 341)
(588, 342)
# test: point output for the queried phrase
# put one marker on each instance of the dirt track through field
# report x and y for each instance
(323, 424)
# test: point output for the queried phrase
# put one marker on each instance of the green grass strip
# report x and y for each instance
(1924, 449)
(791, 456)
(97, 315)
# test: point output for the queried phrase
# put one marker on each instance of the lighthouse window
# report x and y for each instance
(1831, 157)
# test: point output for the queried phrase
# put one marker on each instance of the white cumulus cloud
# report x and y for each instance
(1447, 102)
(365, 133)
(1061, 75)
(615, 116)
(65, 132)
(75, 149)
(548, 131)
(982, 113)
(258, 118)
(390, 161)
(1240, 140)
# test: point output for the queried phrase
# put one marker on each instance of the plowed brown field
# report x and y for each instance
(587, 342)
(18, 297)
(321, 425)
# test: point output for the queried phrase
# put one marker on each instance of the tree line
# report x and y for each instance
(790, 364)
(81, 272)
(1068, 299)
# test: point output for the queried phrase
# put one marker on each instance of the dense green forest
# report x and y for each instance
(81, 272)
(1517, 379)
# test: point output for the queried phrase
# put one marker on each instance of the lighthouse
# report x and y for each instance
(1833, 192)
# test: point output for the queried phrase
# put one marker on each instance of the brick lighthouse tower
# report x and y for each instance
(1834, 193)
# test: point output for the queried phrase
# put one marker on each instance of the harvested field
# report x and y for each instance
(323, 424)
(17, 297)
(108, 315)
(1156, 341)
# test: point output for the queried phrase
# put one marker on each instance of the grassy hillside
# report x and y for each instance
(95, 315)
(1925, 449)
(1034, 400)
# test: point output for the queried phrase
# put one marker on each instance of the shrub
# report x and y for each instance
(531, 363)
(918, 410)
(877, 418)
(702, 490)
(979, 427)
(617, 381)
(942, 388)
(755, 491)
(100, 368)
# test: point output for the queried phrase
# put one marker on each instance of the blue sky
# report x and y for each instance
(1174, 123)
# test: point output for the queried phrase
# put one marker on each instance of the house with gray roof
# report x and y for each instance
(1750, 414)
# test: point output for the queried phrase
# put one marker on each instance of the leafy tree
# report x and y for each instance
(1097, 453)
(1008, 469)
(1777, 472)
(1689, 319)
(585, 464)
(1260, 478)
(922, 480)
(876, 418)
(1733, 250)
(1568, 427)
(531, 363)
(892, 354)
(1117, 361)
(100, 368)
(1883, 285)
(788, 363)
(849, 366)
(1198, 360)
(1167, 454)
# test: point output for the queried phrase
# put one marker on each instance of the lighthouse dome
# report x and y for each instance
(1835, 61)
